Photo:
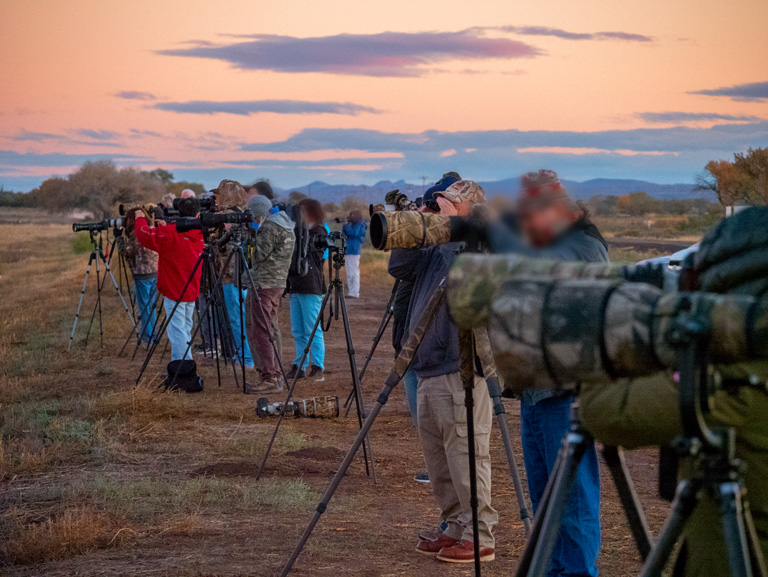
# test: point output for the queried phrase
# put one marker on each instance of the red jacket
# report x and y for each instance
(178, 252)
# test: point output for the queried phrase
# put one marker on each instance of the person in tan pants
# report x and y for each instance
(442, 419)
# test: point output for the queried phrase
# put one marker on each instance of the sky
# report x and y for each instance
(346, 91)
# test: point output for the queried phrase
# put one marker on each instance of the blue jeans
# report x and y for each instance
(232, 302)
(304, 311)
(544, 424)
(179, 329)
(411, 384)
(146, 290)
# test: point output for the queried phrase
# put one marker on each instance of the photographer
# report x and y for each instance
(178, 253)
(554, 226)
(230, 197)
(354, 231)
(143, 265)
(441, 417)
(403, 300)
(645, 412)
(307, 296)
(272, 249)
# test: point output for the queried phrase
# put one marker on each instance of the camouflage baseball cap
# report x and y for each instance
(463, 191)
(540, 189)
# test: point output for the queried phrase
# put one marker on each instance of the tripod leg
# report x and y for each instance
(168, 317)
(686, 499)
(120, 294)
(734, 532)
(388, 313)
(575, 445)
(484, 352)
(401, 366)
(98, 302)
(80, 302)
(376, 339)
(755, 549)
(355, 378)
(614, 458)
(467, 355)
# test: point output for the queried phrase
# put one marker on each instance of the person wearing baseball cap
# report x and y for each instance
(553, 225)
(440, 419)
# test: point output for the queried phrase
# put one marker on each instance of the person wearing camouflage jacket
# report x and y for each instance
(271, 249)
(143, 265)
(645, 412)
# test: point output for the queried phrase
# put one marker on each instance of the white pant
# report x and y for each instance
(179, 329)
(353, 275)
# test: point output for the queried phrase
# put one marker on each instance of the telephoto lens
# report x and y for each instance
(319, 407)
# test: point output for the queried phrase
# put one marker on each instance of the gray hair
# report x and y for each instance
(260, 206)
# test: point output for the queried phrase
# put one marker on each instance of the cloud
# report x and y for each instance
(103, 135)
(136, 95)
(36, 136)
(10, 158)
(567, 35)
(687, 117)
(387, 54)
(752, 92)
(248, 107)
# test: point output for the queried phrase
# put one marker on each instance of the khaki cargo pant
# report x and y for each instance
(442, 423)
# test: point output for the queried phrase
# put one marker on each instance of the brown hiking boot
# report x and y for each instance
(267, 385)
(433, 547)
(464, 552)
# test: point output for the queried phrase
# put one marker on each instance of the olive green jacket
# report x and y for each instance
(271, 251)
(644, 412)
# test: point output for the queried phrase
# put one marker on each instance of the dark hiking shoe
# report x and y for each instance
(316, 374)
(292, 373)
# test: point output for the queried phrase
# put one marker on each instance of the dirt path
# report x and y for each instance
(176, 474)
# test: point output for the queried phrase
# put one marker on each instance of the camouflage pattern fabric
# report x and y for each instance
(141, 261)
(475, 280)
(463, 191)
(412, 229)
(272, 249)
(412, 343)
(549, 334)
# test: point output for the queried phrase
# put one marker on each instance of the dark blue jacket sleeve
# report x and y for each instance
(403, 263)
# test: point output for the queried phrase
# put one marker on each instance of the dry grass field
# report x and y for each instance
(102, 477)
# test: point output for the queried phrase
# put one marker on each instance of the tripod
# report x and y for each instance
(718, 475)
(216, 311)
(389, 311)
(97, 254)
(402, 363)
(549, 517)
(335, 289)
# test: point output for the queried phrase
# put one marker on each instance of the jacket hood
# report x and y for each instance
(282, 220)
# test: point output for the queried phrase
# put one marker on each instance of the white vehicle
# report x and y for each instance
(673, 261)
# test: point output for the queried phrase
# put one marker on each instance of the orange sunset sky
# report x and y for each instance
(360, 91)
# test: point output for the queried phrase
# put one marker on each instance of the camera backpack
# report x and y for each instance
(187, 379)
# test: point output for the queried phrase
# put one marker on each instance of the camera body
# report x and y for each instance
(333, 240)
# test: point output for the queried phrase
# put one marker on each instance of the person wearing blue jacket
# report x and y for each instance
(354, 231)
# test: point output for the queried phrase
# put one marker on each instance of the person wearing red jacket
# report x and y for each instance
(178, 252)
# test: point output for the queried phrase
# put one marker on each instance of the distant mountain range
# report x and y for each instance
(325, 192)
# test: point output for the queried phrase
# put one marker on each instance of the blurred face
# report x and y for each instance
(542, 225)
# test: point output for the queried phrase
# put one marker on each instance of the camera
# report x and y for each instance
(334, 240)
(212, 220)
(207, 204)
(97, 226)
